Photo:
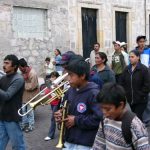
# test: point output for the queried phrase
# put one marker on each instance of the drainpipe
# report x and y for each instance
(145, 2)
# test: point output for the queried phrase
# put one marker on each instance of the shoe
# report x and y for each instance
(23, 126)
(47, 138)
(29, 129)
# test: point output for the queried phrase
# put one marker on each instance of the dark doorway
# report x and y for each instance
(89, 35)
(121, 26)
(149, 30)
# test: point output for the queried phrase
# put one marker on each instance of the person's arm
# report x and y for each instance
(12, 90)
(99, 143)
(112, 76)
(139, 135)
(146, 85)
(90, 121)
(58, 59)
(33, 84)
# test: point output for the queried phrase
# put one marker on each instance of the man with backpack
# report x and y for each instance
(121, 129)
(118, 61)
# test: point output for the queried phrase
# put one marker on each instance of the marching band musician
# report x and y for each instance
(84, 115)
(54, 106)
(11, 91)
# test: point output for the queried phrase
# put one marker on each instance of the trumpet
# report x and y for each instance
(62, 127)
(57, 92)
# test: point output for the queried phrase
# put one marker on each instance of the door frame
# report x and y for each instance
(129, 24)
(100, 37)
(148, 25)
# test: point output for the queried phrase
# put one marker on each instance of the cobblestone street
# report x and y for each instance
(35, 139)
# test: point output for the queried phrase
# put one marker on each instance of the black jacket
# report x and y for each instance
(136, 84)
(11, 91)
(87, 115)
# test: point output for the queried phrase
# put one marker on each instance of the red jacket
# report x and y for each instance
(54, 102)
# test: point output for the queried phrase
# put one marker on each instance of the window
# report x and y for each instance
(29, 22)
(121, 26)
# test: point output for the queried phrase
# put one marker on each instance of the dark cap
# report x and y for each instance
(66, 57)
(140, 37)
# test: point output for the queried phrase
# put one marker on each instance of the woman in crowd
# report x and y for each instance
(104, 72)
(57, 61)
(135, 80)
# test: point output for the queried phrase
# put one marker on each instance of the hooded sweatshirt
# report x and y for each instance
(82, 104)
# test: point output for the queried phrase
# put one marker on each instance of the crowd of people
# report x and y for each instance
(109, 104)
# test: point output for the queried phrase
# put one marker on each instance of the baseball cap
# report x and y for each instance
(66, 57)
(123, 44)
(116, 42)
(140, 37)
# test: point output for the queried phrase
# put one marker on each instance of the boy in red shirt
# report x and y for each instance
(54, 106)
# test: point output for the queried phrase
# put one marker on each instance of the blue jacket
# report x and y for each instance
(82, 104)
(145, 56)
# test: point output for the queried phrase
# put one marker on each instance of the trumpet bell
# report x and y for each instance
(60, 145)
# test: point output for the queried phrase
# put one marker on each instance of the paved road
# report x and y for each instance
(35, 139)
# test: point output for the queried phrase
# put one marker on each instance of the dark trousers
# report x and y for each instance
(138, 109)
(146, 114)
(51, 132)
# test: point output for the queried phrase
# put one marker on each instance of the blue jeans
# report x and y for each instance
(51, 132)
(70, 146)
(11, 131)
(29, 118)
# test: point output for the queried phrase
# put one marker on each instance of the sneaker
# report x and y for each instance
(29, 129)
(47, 138)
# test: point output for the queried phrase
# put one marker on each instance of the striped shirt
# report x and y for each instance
(111, 138)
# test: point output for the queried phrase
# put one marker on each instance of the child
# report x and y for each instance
(49, 67)
(54, 106)
(83, 114)
(111, 133)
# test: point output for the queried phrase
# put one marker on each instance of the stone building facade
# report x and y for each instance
(34, 28)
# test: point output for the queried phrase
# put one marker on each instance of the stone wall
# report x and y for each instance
(65, 27)
(35, 50)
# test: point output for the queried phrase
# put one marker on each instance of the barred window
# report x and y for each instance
(29, 22)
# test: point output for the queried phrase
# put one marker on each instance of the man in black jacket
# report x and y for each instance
(11, 91)
(136, 82)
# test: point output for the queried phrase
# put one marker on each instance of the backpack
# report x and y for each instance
(126, 124)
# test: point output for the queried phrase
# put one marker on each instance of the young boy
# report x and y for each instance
(83, 114)
(111, 135)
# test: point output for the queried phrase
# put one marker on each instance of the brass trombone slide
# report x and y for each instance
(55, 93)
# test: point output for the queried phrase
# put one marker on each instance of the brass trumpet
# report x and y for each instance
(57, 92)
(62, 128)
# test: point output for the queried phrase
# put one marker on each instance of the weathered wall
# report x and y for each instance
(65, 28)
(35, 50)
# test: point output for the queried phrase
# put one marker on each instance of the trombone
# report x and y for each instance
(57, 92)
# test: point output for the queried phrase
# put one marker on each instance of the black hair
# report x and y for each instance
(136, 53)
(54, 73)
(79, 67)
(58, 51)
(14, 60)
(47, 59)
(23, 63)
(103, 56)
(97, 44)
(141, 37)
(112, 93)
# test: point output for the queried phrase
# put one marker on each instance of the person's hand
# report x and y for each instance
(58, 116)
(54, 63)
(69, 121)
